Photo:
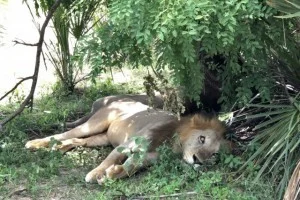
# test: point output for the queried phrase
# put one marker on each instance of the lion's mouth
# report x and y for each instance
(195, 160)
(192, 159)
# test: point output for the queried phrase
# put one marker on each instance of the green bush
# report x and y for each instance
(183, 35)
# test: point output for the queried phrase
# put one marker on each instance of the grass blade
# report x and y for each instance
(268, 106)
(267, 114)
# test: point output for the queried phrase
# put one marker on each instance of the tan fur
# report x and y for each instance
(202, 123)
(117, 121)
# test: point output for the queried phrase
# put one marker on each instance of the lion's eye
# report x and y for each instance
(201, 139)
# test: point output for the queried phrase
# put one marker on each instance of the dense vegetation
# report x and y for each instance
(251, 55)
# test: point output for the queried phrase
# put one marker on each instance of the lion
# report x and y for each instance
(119, 120)
(99, 103)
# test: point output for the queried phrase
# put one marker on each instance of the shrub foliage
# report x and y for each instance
(184, 35)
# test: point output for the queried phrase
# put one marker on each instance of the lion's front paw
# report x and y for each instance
(94, 176)
(37, 143)
(116, 171)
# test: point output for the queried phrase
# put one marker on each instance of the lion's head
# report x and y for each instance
(200, 138)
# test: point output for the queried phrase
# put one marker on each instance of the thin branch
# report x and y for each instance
(85, 77)
(284, 86)
(36, 24)
(44, 60)
(251, 100)
(54, 61)
(29, 98)
(94, 24)
(111, 73)
(15, 87)
(25, 43)
(76, 75)
(165, 196)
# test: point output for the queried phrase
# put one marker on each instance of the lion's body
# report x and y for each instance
(103, 102)
(118, 121)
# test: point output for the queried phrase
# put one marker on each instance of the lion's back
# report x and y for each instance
(155, 125)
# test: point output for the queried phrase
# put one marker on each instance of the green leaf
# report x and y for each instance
(136, 157)
(193, 32)
(121, 149)
(156, 25)
(207, 31)
(228, 160)
(164, 30)
(138, 140)
(174, 33)
(230, 28)
(140, 40)
(161, 36)
(198, 17)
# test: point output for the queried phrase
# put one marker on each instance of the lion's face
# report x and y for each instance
(200, 146)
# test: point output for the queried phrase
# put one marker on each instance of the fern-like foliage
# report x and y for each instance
(279, 139)
(290, 7)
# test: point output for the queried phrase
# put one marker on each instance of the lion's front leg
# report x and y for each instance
(99, 173)
(128, 168)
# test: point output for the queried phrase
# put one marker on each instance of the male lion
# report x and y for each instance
(117, 120)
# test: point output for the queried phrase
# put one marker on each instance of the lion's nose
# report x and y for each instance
(196, 160)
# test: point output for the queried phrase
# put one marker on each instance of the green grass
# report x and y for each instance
(48, 174)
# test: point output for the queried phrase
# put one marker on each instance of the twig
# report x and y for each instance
(54, 62)
(15, 87)
(17, 192)
(111, 73)
(29, 99)
(33, 18)
(284, 86)
(94, 24)
(232, 120)
(165, 196)
(85, 77)
(25, 43)
(44, 60)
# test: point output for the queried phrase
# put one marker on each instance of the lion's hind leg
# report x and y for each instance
(97, 124)
(97, 105)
